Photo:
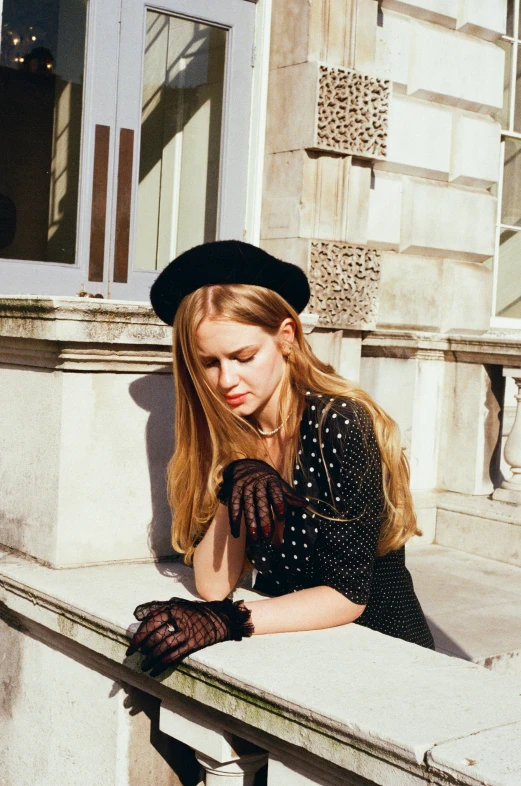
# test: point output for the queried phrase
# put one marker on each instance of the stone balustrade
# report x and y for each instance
(510, 490)
(340, 706)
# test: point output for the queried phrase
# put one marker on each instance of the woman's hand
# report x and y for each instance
(255, 488)
(170, 630)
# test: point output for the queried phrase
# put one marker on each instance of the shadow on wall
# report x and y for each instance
(174, 763)
(11, 630)
(155, 394)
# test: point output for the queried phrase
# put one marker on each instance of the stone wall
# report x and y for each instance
(381, 135)
(382, 158)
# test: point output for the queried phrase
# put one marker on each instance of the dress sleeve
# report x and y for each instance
(345, 550)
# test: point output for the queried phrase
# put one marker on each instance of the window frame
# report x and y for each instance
(41, 278)
(506, 133)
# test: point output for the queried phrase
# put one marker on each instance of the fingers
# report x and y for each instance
(250, 515)
(144, 609)
(149, 629)
(165, 651)
(235, 508)
(277, 498)
(264, 516)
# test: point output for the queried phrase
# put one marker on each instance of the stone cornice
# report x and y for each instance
(79, 334)
(89, 320)
(493, 347)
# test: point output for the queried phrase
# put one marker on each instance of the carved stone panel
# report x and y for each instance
(352, 112)
(344, 283)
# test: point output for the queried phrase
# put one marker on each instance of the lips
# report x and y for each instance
(235, 400)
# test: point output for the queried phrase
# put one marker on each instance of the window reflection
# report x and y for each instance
(41, 87)
(179, 164)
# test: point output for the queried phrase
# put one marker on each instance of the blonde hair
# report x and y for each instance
(209, 435)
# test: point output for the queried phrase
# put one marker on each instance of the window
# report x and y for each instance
(125, 139)
(507, 278)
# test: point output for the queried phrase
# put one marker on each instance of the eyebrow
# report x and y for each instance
(230, 354)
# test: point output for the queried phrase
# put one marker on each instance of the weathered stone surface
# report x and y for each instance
(410, 391)
(478, 525)
(428, 225)
(476, 144)
(344, 283)
(419, 138)
(384, 220)
(491, 757)
(472, 604)
(466, 296)
(336, 110)
(81, 320)
(442, 12)
(443, 65)
(437, 64)
(333, 32)
(410, 291)
(470, 427)
(348, 720)
(85, 728)
(485, 20)
(84, 464)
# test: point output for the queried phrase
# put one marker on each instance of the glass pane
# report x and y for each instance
(508, 300)
(510, 17)
(181, 118)
(511, 207)
(503, 115)
(41, 87)
(517, 100)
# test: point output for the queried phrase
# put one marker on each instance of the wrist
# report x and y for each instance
(237, 616)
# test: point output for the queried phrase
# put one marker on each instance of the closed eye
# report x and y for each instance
(211, 363)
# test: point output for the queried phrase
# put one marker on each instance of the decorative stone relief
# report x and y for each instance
(352, 112)
(344, 283)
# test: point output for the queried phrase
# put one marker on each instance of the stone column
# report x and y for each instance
(510, 490)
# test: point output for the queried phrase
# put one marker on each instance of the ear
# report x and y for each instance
(287, 331)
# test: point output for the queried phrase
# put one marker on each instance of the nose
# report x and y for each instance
(228, 377)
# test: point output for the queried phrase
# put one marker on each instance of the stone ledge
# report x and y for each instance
(439, 699)
(483, 758)
(494, 347)
(479, 525)
(88, 335)
(76, 356)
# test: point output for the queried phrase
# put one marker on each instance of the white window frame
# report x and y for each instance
(43, 278)
(506, 133)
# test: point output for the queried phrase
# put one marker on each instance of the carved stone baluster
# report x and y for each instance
(240, 772)
(510, 490)
(226, 759)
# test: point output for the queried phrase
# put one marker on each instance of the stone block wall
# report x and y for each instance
(381, 143)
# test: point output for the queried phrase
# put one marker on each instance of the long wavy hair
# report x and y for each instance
(209, 435)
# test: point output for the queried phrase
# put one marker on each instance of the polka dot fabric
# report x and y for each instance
(338, 469)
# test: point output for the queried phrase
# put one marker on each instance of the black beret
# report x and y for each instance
(226, 262)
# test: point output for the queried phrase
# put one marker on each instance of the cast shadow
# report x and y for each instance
(444, 644)
(495, 405)
(155, 394)
(177, 756)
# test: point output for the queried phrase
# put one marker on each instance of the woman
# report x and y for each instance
(310, 471)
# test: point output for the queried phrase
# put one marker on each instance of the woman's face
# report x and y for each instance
(243, 363)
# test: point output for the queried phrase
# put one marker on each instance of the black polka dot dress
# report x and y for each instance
(338, 470)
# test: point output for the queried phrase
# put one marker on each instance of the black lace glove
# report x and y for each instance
(175, 628)
(252, 487)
